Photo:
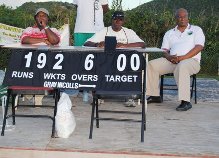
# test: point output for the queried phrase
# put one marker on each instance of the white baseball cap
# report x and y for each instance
(42, 10)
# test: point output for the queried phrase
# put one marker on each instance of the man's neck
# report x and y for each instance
(116, 29)
(181, 28)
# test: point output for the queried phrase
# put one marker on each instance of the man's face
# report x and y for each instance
(42, 17)
(117, 23)
(182, 19)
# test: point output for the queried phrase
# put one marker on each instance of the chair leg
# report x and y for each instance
(161, 87)
(13, 108)
(192, 87)
(144, 102)
(57, 96)
(143, 122)
(92, 118)
(97, 113)
(6, 112)
(34, 100)
(195, 90)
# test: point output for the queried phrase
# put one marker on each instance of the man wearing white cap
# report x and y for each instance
(40, 33)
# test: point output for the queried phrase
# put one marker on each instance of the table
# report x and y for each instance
(79, 68)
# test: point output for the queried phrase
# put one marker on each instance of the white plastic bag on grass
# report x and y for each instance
(65, 120)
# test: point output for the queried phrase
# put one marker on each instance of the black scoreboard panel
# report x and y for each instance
(118, 70)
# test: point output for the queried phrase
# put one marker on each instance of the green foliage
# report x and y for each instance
(5, 55)
(151, 20)
(15, 18)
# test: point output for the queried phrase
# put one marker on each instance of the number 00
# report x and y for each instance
(134, 62)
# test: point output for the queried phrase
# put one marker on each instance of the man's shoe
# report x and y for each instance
(184, 106)
(130, 103)
(154, 99)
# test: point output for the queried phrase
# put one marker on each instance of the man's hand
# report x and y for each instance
(121, 45)
(47, 42)
(41, 23)
(101, 44)
(172, 58)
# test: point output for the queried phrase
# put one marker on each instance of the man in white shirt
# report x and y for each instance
(125, 37)
(183, 45)
(89, 19)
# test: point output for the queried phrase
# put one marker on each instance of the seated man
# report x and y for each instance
(125, 37)
(183, 45)
(40, 33)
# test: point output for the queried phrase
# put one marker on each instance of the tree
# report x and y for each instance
(117, 5)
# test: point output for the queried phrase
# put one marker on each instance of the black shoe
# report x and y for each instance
(184, 106)
(154, 99)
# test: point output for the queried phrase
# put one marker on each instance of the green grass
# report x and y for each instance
(208, 76)
(203, 76)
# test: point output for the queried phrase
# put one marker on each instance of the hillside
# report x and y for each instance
(52, 7)
(195, 7)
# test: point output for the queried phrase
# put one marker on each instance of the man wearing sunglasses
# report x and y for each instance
(125, 37)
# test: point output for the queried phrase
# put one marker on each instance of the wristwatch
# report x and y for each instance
(46, 27)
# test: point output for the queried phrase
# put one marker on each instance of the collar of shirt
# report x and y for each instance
(186, 31)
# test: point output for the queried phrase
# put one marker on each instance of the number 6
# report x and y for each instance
(89, 63)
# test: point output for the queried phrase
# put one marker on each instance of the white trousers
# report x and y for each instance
(38, 98)
(182, 72)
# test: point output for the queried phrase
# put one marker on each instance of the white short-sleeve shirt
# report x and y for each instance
(89, 15)
(124, 36)
(180, 43)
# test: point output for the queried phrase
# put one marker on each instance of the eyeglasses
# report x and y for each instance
(182, 17)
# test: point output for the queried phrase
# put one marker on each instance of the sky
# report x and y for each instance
(127, 4)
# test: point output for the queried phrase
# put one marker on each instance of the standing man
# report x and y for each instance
(89, 19)
(183, 45)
